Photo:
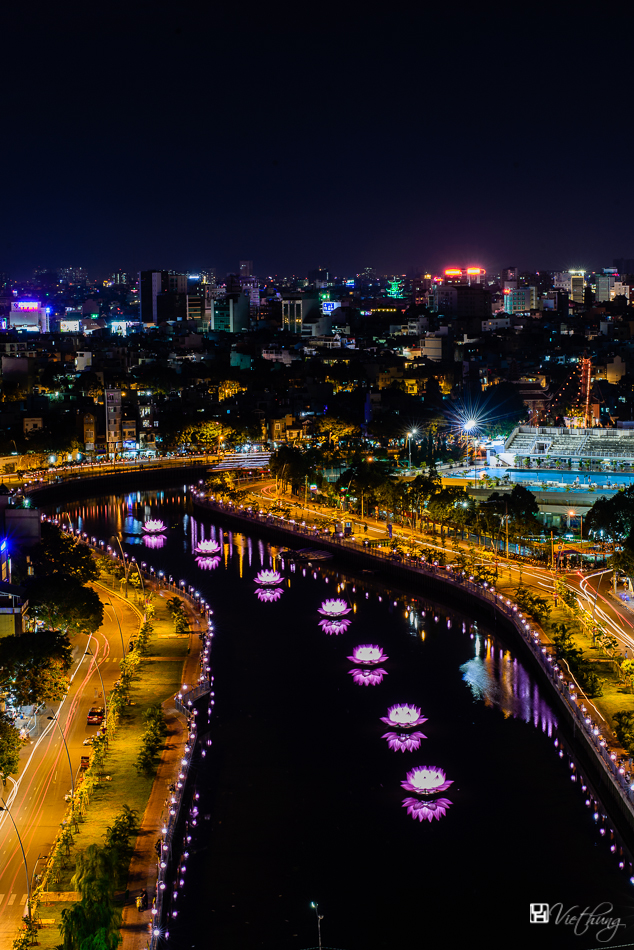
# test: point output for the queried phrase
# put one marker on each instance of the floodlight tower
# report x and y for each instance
(470, 427)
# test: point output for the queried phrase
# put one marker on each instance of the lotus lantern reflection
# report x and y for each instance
(368, 654)
(268, 595)
(154, 526)
(208, 563)
(268, 577)
(154, 540)
(426, 810)
(367, 677)
(426, 780)
(209, 548)
(334, 626)
(404, 741)
(404, 716)
(334, 608)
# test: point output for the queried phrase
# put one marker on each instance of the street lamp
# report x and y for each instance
(126, 567)
(469, 426)
(103, 689)
(72, 780)
(320, 917)
(5, 807)
(409, 445)
(138, 570)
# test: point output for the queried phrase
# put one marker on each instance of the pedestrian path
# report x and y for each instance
(142, 875)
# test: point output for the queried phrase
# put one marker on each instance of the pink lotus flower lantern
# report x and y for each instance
(208, 563)
(210, 548)
(368, 655)
(367, 677)
(154, 540)
(426, 780)
(267, 595)
(404, 716)
(154, 526)
(334, 626)
(268, 577)
(404, 741)
(426, 810)
(334, 608)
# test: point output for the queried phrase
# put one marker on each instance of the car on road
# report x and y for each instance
(95, 716)
(89, 740)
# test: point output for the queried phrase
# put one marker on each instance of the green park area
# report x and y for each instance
(90, 859)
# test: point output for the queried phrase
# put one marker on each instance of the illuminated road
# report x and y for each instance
(591, 588)
(36, 798)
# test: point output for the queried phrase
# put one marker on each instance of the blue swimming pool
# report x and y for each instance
(553, 480)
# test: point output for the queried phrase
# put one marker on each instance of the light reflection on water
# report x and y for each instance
(425, 643)
(496, 678)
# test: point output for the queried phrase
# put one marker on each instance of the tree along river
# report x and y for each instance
(301, 796)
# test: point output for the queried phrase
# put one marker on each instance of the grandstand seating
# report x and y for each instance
(527, 441)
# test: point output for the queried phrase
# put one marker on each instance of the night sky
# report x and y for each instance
(186, 136)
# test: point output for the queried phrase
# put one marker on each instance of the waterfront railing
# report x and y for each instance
(569, 692)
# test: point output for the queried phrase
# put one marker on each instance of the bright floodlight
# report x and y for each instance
(469, 425)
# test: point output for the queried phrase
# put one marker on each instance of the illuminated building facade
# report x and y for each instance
(296, 308)
(577, 285)
(520, 299)
(114, 438)
(29, 316)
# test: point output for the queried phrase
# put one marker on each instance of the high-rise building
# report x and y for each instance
(296, 308)
(246, 268)
(520, 300)
(114, 439)
(292, 313)
(320, 277)
(230, 314)
(150, 286)
(603, 286)
(158, 290)
(251, 287)
(28, 315)
(72, 275)
(577, 285)
(561, 280)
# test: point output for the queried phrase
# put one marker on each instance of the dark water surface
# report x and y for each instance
(301, 797)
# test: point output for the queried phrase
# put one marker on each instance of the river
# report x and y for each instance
(301, 794)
